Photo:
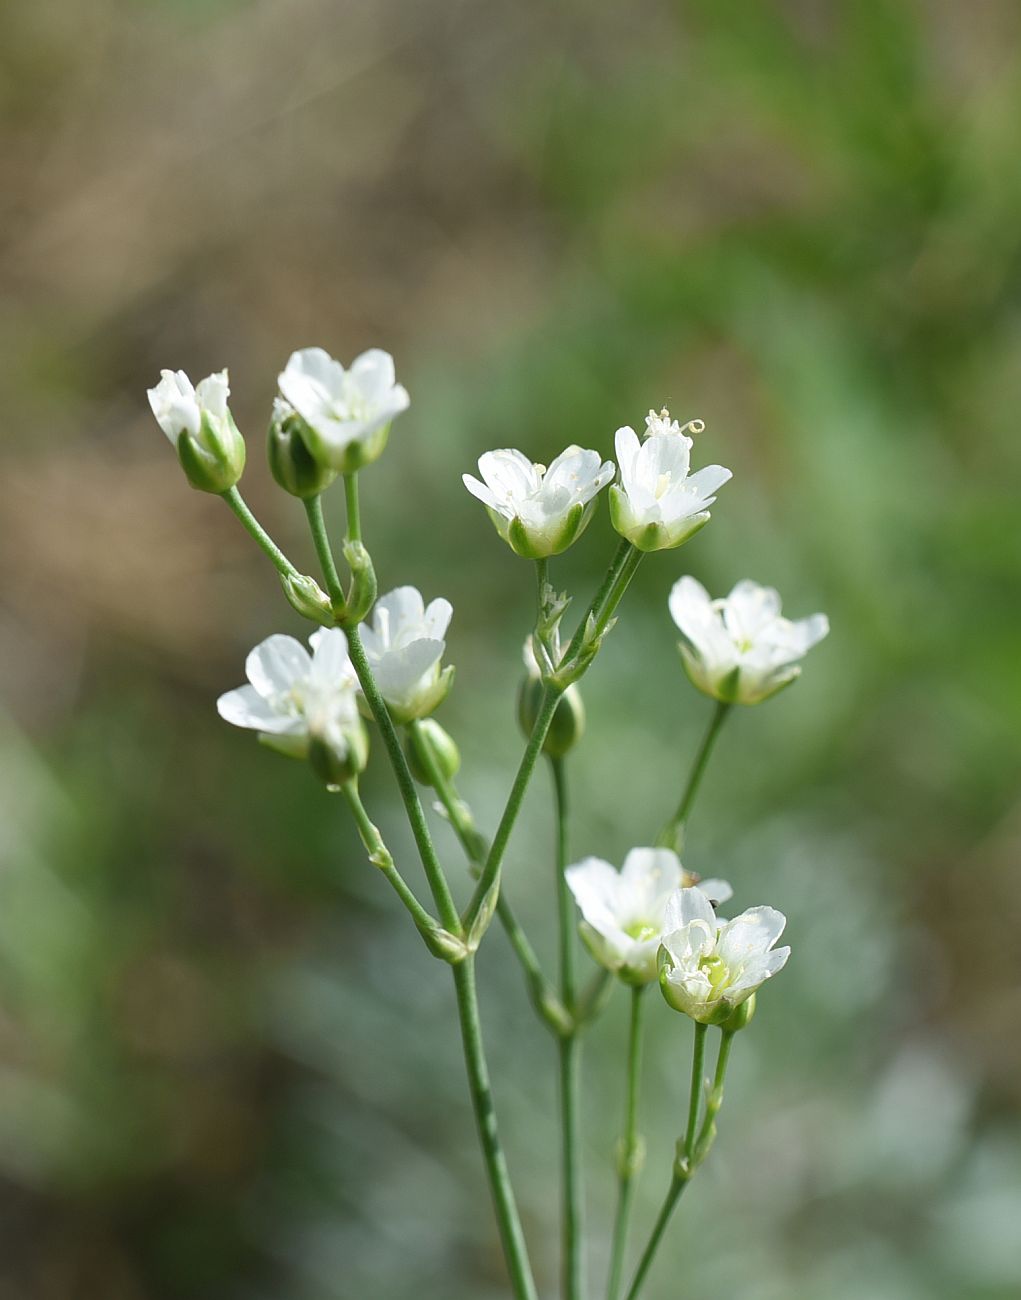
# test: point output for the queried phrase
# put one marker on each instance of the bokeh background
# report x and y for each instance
(229, 1070)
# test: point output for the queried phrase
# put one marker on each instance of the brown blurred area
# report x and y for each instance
(226, 1070)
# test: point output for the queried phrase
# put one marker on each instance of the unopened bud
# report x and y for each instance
(291, 463)
(428, 745)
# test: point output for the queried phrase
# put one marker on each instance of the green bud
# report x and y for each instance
(568, 723)
(427, 742)
(306, 596)
(338, 753)
(740, 1016)
(361, 595)
(291, 463)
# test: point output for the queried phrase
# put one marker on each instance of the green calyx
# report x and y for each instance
(431, 750)
(291, 462)
(568, 724)
(213, 459)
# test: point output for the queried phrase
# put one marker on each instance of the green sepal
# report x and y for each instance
(362, 592)
(291, 462)
(306, 596)
(427, 744)
(215, 459)
(568, 724)
(335, 768)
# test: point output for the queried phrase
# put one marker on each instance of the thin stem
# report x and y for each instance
(354, 514)
(599, 599)
(252, 526)
(673, 1195)
(405, 784)
(324, 551)
(572, 1207)
(491, 870)
(671, 834)
(511, 1234)
(380, 858)
(697, 1076)
(707, 1133)
(544, 999)
(629, 1152)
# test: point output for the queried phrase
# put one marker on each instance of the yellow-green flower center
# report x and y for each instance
(640, 930)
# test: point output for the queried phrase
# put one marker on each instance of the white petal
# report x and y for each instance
(708, 480)
(374, 374)
(398, 672)
(484, 495)
(245, 707)
(212, 393)
(687, 905)
(718, 891)
(809, 631)
(400, 610)
(690, 606)
(275, 665)
(437, 618)
(595, 885)
(331, 667)
(627, 447)
(753, 932)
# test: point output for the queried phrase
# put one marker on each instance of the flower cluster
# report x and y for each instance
(382, 658)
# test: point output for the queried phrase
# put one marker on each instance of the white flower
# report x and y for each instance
(538, 511)
(624, 910)
(739, 649)
(707, 969)
(404, 647)
(200, 426)
(293, 696)
(347, 412)
(658, 504)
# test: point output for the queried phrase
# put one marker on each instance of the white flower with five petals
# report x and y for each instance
(292, 695)
(708, 968)
(624, 910)
(404, 646)
(200, 426)
(658, 504)
(346, 413)
(538, 511)
(740, 650)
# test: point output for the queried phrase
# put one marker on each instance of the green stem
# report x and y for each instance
(707, 1133)
(511, 1234)
(543, 997)
(354, 514)
(599, 599)
(405, 784)
(252, 526)
(697, 1076)
(629, 1152)
(324, 551)
(673, 1195)
(572, 1208)
(672, 833)
(491, 870)
(380, 857)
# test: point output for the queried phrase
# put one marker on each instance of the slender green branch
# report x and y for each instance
(695, 1148)
(629, 1151)
(569, 1048)
(324, 551)
(707, 1133)
(511, 1234)
(541, 992)
(490, 877)
(405, 784)
(599, 599)
(252, 526)
(672, 833)
(697, 1080)
(673, 1195)
(380, 857)
(354, 514)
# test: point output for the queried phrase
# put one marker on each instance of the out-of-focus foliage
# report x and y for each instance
(228, 1067)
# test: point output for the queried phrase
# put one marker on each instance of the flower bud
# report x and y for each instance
(290, 461)
(740, 1017)
(427, 743)
(568, 723)
(338, 750)
(199, 424)
(306, 596)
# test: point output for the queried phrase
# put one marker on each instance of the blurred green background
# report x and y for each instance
(227, 1067)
